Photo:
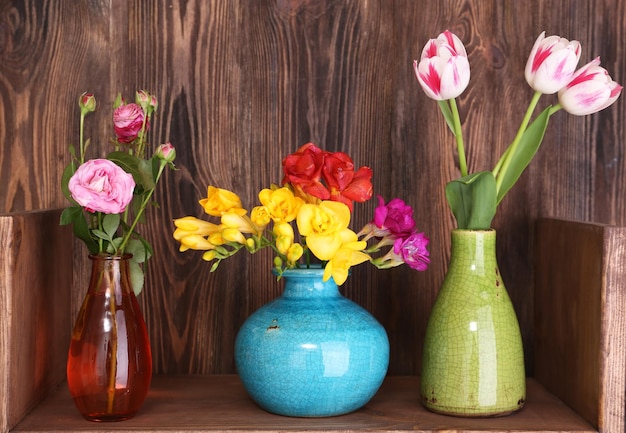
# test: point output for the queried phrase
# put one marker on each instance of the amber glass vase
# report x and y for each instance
(109, 366)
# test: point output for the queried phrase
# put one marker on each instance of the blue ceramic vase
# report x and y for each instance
(311, 352)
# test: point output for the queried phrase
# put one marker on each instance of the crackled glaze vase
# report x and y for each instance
(311, 352)
(473, 360)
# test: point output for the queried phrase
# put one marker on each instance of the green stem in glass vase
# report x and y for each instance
(111, 279)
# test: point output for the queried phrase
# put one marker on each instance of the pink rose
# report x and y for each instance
(395, 216)
(127, 121)
(100, 185)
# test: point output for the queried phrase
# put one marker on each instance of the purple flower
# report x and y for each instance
(395, 216)
(413, 251)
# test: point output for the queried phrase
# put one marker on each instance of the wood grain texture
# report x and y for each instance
(241, 84)
(220, 404)
(34, 310)
(580, 318)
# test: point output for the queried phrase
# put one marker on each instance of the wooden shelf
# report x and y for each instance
(220, 403)
(580, 350)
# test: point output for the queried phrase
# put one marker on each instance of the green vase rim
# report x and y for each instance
(473, 230)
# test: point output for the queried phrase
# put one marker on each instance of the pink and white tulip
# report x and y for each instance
(590, 90)
(551, 63)
(443, 70)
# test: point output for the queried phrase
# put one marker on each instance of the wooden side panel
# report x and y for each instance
(36, 278)
(580, 325)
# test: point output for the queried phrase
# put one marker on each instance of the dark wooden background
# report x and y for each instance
(243, 83)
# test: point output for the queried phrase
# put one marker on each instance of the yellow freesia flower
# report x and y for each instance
(233, 235)
(217, 238)
(323, 226)
(242, 223)
(283, 234)
(260, 217)
(294, 253)
(219, 201)
(281, 204)
(349, 254)
(195, 242)
(209, 255)
(189, 225)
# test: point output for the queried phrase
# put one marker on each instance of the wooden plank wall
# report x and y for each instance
(242, 83)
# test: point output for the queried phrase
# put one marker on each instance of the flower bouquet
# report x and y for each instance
(109, 195)
(317, 194)
(473, 360)
(109, 366)
(310, 352)
(443, 72)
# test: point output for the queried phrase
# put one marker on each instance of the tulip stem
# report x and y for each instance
(500, 169)
(458, 134)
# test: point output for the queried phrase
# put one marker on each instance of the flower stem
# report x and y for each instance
(82, 143)
(502, 166)
(458, 133)
(111, 284)
(142, 208)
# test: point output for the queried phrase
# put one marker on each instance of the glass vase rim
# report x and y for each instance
(107, 256)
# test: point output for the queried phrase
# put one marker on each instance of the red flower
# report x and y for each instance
(344, 183)
(312, 171)
(303, 171)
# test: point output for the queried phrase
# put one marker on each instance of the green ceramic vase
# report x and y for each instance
(473, 361)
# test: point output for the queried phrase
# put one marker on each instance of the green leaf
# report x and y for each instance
(110, 223)
(68, 172)
(526, 150)
(74, 215)
(444, 106)
(136, 276)
(114, 245)
(146, 169)
(129, 163)
(140, 249)
(473, 200)
(101, 234)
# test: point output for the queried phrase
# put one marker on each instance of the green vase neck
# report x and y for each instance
(473, 249)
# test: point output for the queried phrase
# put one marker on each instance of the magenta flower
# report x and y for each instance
(443, 70)
(128, 120)
(100, 185)
(396, 217)
(551, 63)
(590, 90)
(413, 251)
